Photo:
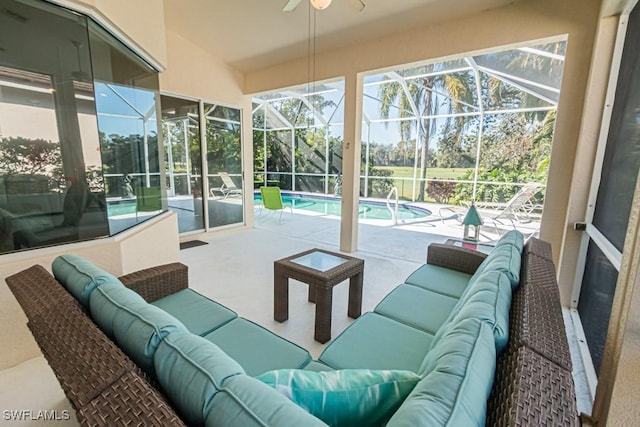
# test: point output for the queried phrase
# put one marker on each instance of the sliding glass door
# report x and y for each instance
(183, 161)
(224, 165)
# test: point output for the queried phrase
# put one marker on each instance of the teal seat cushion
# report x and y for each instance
(316, 366)
(488, 299)
(439, 279)
(191, 370)
(512, 237)
(346, 397)
(80, 277)
(247, 402)
(137, 327)
(504, 258)
(257, 349)
(377, 342)
(457, 383)
(198, 313)
(417, 307)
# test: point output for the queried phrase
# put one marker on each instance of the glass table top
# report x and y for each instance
(319, 261)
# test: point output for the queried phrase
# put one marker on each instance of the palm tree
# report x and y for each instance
(432, 94)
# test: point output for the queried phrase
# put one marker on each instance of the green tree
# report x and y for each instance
(435, 93)
(514, 150)
(20, 155)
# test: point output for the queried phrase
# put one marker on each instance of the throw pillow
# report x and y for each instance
(345, 397)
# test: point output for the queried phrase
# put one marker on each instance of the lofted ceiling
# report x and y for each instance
(254, 34)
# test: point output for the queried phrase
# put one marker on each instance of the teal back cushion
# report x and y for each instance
(80, 277)
(455, 389)
(513, 237)
(488, 299)
(137, 327)
(247, 402)
(191, 370)
(345, 397)
(505, 258)
(210, 388)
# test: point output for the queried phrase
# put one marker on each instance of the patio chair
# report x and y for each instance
(517, 210)
(272, 200)
(228, 187)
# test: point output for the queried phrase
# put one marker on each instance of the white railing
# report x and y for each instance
(394, 212)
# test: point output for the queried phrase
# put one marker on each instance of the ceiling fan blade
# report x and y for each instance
(358, 5)
(291, 5)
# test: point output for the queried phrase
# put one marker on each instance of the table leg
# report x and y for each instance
(312, 294)
(280, 297)
(324, 298)
(355, 296)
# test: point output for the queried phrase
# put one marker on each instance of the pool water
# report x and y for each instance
(121, 208)
(366, 210)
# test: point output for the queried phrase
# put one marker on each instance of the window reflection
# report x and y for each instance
(66, 151)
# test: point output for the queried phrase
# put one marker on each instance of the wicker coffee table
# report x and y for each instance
(321, 270)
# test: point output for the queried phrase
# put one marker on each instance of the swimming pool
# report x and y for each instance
(368, 209)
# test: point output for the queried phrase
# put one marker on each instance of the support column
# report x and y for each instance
(351, 150)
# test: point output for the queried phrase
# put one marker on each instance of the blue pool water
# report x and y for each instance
(331, 206)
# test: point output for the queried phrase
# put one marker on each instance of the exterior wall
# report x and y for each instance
(122, 254)
(516, 23)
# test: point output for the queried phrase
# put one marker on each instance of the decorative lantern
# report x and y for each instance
(472, 223)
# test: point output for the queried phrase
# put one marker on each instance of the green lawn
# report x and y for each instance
(438, 173)
(402, 176)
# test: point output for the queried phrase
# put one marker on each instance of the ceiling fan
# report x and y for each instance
(319, 4)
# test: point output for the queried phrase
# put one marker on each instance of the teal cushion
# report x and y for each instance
(80, 277)
(316, 366)
(513, 237)
(198, 313)
(506, 259)
(439, 279)
(247, 402)
(257, 349)
(191, 370)
(376, 342)
(417, 307)
(346, 397)
(458, 381)
(137, 327)
(488, 299)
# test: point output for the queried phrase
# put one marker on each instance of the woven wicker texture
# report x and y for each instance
(536, 314)
(529, 390)
(454, 257)
(539, 248)
(35, 289)
(157, 282)
(130, 401)
(82, 357)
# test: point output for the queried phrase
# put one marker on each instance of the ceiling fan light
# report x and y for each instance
(320, 4)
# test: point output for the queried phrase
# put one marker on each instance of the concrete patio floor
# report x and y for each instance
(235, 268)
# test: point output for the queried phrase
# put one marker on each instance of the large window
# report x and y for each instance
(476, 128)
(78, 131)
(297, 138)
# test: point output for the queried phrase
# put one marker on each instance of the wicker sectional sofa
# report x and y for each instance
(486, 338)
